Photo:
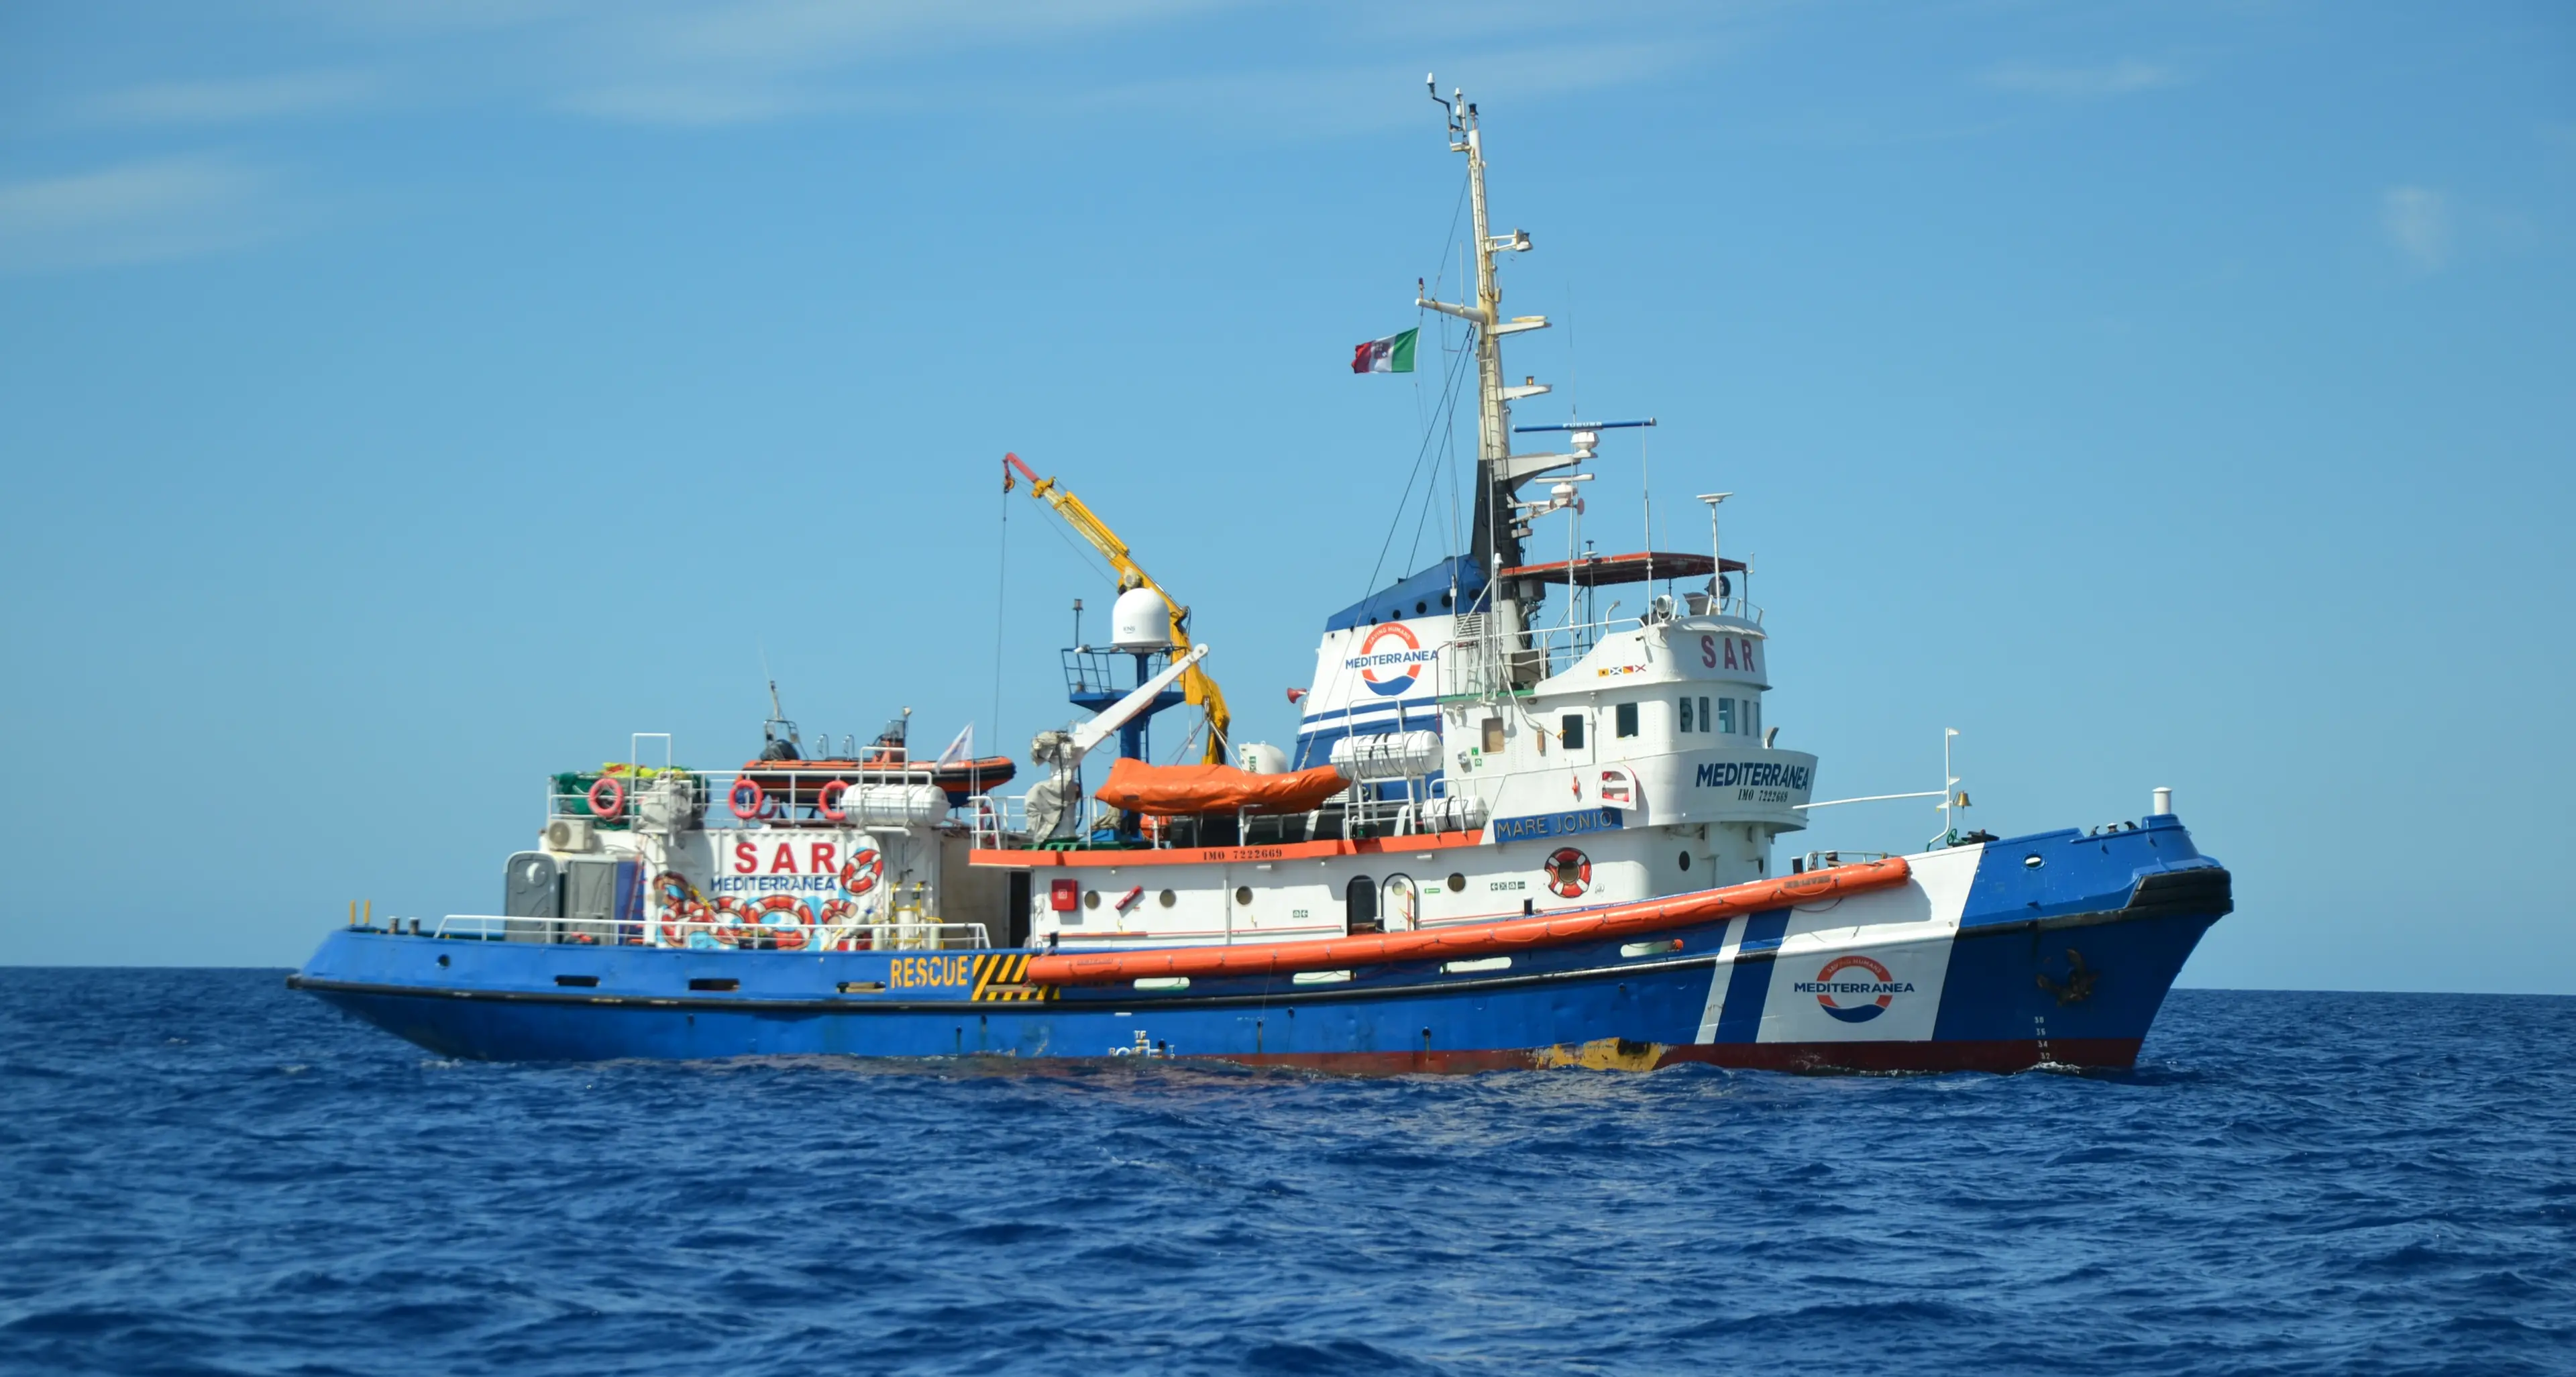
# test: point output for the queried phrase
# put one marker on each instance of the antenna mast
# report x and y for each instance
(1495, 541)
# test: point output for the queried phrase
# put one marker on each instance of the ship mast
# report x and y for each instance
(1495, 541)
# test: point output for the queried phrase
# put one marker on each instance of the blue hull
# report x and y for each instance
(2066, 962)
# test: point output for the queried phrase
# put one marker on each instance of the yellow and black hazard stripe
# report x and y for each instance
(997, 977)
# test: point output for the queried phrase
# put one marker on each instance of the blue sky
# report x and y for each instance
(401, 401)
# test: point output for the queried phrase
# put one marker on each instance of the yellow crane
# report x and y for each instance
(1196, 686)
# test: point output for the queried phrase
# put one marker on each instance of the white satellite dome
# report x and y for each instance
(1141, 621)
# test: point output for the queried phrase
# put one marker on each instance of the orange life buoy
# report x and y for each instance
(831, 793)
(672, 889)
(1569, 873)
(862, 871)
(746, 811)
(756, 926)
(615, 808)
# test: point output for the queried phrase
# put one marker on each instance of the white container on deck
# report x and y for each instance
(1392, 755)
(1261, 758)
(1456, 813)
(894, 805)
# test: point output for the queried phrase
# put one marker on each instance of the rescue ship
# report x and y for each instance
(1511, 832)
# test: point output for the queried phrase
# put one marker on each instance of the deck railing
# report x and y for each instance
(997, 822)
(729, 936)
(1827, 860)
(1483, 662)
(719, 793)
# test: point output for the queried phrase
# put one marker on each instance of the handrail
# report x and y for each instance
(716, 787)
(1483, 661)
(652, 932)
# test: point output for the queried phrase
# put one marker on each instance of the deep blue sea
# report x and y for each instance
(201, 1172)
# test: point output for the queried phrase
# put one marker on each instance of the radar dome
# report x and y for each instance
(1141, 621)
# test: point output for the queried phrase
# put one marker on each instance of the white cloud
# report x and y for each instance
(1347, 99)
(701, 63)
(693, 63)
(137, 212)
(2128, 76)
(695, 102)
(225, 102)
(797, 34)
(2418, 222)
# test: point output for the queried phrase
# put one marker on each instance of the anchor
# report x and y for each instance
(2079, 980)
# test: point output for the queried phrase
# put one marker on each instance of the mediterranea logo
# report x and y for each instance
(1403, 664)
(1872, 996)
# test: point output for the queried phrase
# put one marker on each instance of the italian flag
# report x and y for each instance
(1393, 354)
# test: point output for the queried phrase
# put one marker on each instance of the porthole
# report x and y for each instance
(1444, 600)
(1091, 898)
(1169, 898)
(1685, 860)
(1457, 884)
(1421, 607)
(2032, 862)
(1243, 897)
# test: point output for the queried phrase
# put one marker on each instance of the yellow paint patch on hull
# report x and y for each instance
(1601, 1054)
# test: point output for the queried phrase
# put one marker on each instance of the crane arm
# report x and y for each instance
(1090, 734)
(1196, 685)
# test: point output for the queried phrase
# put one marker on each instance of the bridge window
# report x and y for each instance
(1686, 717)
(1627, 719)
(1573, 732)
(1726, 715)
(1706, 722)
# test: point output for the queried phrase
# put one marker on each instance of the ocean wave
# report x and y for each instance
(210, 1174)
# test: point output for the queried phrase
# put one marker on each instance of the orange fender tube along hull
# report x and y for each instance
(1480, 939)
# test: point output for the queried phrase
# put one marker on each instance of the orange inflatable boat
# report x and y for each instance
(1186, 790)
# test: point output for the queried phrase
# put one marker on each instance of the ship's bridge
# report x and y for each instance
(1660, 716)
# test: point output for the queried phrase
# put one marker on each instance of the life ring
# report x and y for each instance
(834, 910)
(615, 807)
(784, 936)
(672, 888)
(746, 811)
(717, 920)
(1569, 873)
(861, 872)
(680, 920)
(740, 922)
(831, 794)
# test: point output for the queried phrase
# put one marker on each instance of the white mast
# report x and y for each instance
(1496, 540)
